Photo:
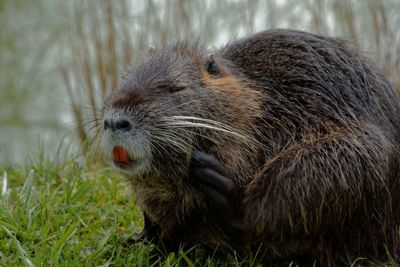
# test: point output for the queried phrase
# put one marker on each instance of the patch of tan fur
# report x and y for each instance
(240, 106)
(226, 82)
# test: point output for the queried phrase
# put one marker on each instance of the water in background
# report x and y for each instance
(59, 59)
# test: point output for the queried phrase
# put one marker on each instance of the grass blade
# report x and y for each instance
(23, 254)
(55, 253)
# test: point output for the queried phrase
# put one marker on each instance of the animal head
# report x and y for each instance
(175, 100)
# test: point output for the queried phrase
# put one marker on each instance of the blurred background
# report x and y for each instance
(60, 59)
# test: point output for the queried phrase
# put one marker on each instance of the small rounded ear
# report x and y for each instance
(151, 49)
(211, 66)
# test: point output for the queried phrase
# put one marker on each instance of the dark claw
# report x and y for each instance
(149, 233)
(221, 194)
(213, 179)
(218, 203)
(200, 159)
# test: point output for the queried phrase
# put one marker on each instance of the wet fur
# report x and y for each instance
(318, 170)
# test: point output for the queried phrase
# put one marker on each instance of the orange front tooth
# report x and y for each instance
(123, 155)
(120, 154)
(116, 154)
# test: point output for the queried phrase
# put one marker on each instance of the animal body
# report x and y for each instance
(284, 139)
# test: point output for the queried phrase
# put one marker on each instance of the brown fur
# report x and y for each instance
(318, 167)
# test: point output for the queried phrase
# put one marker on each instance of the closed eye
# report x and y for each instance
(170, 87)
(176, 88)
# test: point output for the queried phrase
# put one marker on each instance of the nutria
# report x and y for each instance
(284, 139)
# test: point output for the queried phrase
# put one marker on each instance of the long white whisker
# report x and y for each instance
(191, 118)
(156, 144)
(186, 130)
(204, 125)
(169, 138)
(195, 118)
(211, 124)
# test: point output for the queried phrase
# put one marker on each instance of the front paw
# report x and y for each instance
(221, 194)
(146, 235)
(150, 232)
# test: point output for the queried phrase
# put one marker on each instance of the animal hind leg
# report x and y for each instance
(329, 189)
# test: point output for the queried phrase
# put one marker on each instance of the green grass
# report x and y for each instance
(62, 214)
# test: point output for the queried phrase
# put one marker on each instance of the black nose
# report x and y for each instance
(114, 125)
